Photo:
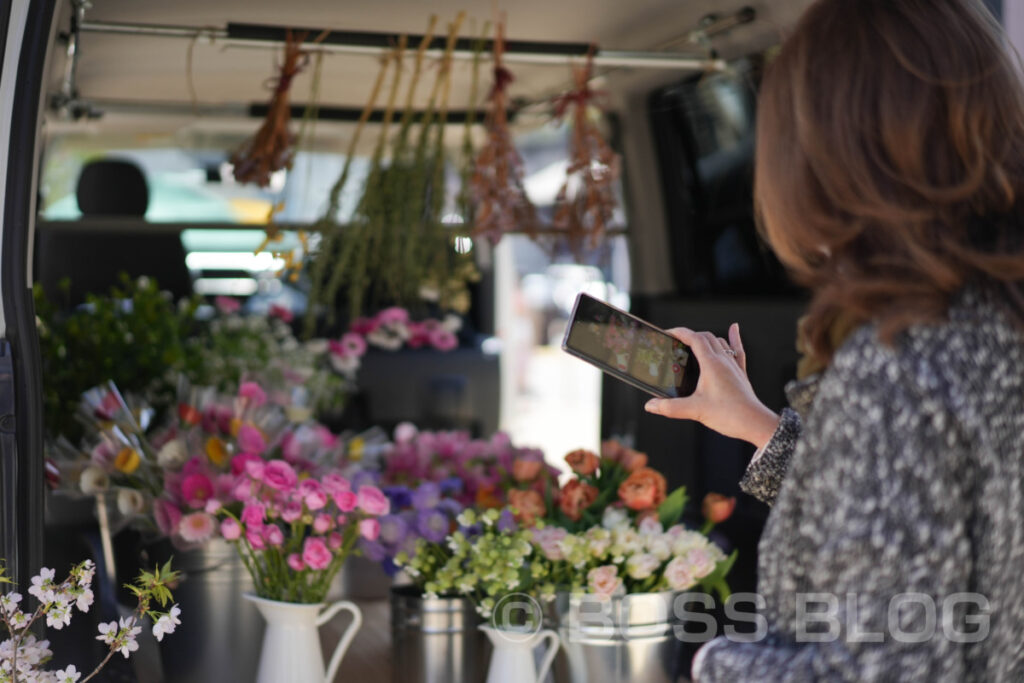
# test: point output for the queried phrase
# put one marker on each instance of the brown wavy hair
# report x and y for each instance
(890, 162)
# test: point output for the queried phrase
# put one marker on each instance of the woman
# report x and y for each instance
(890, 180)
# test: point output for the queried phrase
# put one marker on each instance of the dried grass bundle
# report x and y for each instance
(500, 202)
(593, 167)
(273, 146)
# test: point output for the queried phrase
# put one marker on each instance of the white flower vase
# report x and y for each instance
(291, 643)
(512, 660)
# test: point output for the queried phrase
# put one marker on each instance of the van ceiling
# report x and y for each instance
(150, 69)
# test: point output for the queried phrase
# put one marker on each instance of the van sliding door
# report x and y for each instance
(26, 33)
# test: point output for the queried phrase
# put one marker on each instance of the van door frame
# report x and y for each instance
(27, 31)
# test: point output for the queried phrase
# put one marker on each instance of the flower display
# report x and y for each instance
(23, 656)
(393, 328)
(430, 477)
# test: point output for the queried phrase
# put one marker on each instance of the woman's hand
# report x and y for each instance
(724, 400)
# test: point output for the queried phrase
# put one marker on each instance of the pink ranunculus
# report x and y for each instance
(254, 467)
(443, 340)
(196, 489)
(322, 523)
(280, 475)
(238, 462)
(369, 529)
(230, 529)
(307, 486)
(295, 562)
(341, 519)
(250, 440)
(604, 580)
(395, 314)
(346, 500)
(253, 393)
(353, 343)
(242, 490)
(334, 541)
(254, 537)
(196, 527)
(291, 512)
(273, 535)
(372, 501)
(317, 500)
(167, 516)
(253, 514)
(335, 483)
(315, 553)
(227, 304)
(213, 506)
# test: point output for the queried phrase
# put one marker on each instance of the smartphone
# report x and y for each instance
(630, 349)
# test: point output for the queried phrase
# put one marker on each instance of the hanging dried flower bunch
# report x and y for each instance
(273, 146)
(500, 202)
(586, 203)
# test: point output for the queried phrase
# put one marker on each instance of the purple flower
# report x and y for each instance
(363, 478)
(506, 522)
(393, 529)
(400, 496)
(426, 496)
(432, 525)
(451, 506)
(452, 486)
(373, 550)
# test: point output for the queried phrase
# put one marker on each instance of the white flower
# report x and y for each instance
(9, 602)
(650, 526)
(84, 600)
(126, 643)
(451, 323)
(130, 502)
(173, 455)
(42, 585)
(345, 364)
(685, 541)
(642, 565)
(317, 347)
(701, 562)
(614, 518)
(660, 547)
(93, 481)
(167, 623)
(58, 616)
(68, 675)
(87, 571)
(108, 632)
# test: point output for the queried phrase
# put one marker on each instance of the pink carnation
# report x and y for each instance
(255, 538)
(334, 541)
(316, 500)
(238, 463)
(253, 514)
(322, 523)
(315, 553)
(372, 501)
(291, 512)
(295, 562)
(335, 483)
(273, 535)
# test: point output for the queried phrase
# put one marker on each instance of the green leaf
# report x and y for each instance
(716, 579)
(672, 507)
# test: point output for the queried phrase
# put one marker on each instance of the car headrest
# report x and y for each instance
(112, 187)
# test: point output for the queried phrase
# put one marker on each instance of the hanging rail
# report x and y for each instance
(372, 43)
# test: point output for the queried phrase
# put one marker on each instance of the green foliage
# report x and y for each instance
(671, 509)
(131, 335)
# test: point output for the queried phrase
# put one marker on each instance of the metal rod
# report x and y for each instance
(557, 54)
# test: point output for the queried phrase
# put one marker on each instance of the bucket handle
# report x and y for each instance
(346, 637)
(549, 656)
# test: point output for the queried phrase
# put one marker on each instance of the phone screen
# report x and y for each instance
(630, 349)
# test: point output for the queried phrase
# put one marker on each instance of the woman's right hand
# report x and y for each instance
(724, 399)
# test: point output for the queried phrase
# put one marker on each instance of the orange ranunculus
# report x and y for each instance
(643, 489)
(487, 496)
(217, 451)
(582, 462)
(127, 460)
(612, 450)
(529, 505)
(526, 469)
(717, 508)
(632, 460)
(576, 497)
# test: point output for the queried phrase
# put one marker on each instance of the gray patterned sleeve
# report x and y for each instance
(766, 471)
(872, 510)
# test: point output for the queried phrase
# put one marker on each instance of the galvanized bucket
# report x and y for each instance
(221, 633)
(436, 640)
(617, 640)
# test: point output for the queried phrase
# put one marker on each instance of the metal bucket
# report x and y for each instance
(221, 633)
(617, 640)
(436, 640)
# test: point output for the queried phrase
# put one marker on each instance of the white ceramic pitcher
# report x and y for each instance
(512, 660)
(291, 644)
